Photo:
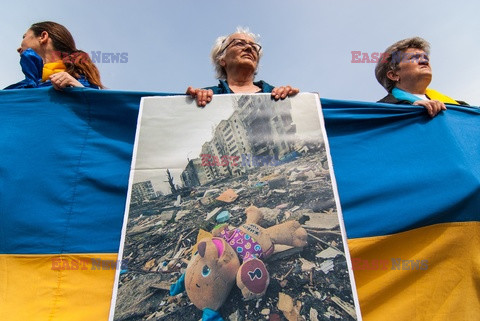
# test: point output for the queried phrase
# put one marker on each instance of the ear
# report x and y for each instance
(392, 75)
(44, 37)
(222, 63)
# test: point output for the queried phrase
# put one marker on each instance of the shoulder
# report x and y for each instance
(86, 83)
(390, 99)
(221, 88)
(216, 90)
(25, 83)
(266, 87)
(461, 102)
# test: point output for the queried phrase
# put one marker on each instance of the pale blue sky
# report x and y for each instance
(307, 44)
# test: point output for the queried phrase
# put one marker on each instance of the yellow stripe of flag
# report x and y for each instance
(426, 274)
(56, 287)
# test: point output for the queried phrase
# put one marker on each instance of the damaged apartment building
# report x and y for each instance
(142, 191)
(254, 135)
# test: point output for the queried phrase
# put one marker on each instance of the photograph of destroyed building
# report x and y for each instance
(268, 154)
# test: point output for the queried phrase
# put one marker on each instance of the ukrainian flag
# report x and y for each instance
(409, 188)
(64, 168)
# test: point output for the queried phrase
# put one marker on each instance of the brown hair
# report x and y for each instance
(77, 61)
(390, 59)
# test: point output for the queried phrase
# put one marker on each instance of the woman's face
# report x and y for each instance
(414, 65)
(29, 41)
(241, 51)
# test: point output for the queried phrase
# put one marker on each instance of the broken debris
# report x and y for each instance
(161, 238)
(228, 196)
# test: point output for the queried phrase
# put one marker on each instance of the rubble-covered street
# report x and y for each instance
(305, 284)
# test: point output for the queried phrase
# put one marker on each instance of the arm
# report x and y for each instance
(433, 107)
(63, 79)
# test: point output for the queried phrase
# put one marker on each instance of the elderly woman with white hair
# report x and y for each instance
(236, 59)
(405, 72)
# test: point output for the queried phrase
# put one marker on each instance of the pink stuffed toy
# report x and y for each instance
(235, 256)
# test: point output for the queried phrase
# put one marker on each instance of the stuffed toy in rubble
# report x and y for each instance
(234, 256)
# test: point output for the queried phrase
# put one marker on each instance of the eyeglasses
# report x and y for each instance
(240, 43)
(410, 57)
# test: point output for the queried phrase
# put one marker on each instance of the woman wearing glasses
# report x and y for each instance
(236, 58)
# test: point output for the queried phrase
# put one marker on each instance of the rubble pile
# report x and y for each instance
(305, 284)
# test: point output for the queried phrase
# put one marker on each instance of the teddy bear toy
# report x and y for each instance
(234, 256)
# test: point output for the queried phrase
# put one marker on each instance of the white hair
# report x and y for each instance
(218, 50)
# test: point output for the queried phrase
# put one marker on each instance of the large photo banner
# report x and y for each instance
(233, 213)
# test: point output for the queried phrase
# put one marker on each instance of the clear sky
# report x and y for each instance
(307, 43)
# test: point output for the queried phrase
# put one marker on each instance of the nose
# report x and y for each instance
(249, 47)
(424, 59)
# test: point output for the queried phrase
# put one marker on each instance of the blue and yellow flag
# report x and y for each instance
(64, 168)
(409, 187)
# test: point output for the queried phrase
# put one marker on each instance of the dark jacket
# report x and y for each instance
(390, 99)
(223, 87)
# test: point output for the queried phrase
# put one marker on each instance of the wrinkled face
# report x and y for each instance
(211, 273)
(241, 51)
(29, 41)
(414, 64)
